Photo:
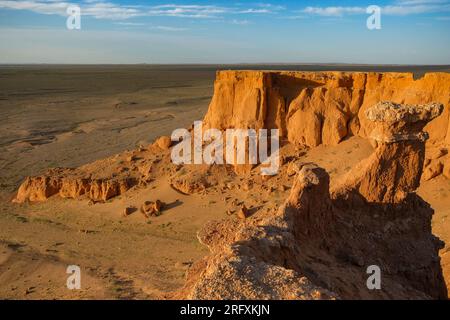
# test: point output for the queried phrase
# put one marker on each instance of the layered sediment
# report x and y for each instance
(313, 108)
(318, 245)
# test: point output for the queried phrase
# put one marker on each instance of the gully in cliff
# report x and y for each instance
(242, 147)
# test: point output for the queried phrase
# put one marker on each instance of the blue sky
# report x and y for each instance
(242, 31)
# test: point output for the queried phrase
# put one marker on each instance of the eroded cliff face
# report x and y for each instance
(101, 180)
(319, 244)
(313, 108)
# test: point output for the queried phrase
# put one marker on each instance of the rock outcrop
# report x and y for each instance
(318, 245)
(312, 108)
(101, 180)
(68, 183)
(395, 168)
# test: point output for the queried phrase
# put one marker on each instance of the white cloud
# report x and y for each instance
(95, 8)
(240, 22)
(131, 24)
(262, 8)
(106, 10)
(401, 7)
(419, 2)
(43, 7)
(102, 9)
(334, 11)
(187, 11)
(415, 9)
(167, 28)
(253, 10)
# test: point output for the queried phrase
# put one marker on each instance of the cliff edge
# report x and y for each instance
(313, 108)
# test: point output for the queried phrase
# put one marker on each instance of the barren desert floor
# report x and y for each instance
(69, 116)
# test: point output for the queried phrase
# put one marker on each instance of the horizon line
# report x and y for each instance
(222, 63)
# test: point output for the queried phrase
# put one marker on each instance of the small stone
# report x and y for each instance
(163, 142)
(151, 209)
(29, 290)
(131, 158)
(128, 210)
(243, 213)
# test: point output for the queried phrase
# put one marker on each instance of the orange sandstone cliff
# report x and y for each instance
(313, 108)
(319, 244)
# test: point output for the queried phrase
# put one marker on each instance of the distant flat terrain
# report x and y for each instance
(68, 116)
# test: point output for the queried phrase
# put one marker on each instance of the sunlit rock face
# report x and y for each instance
(319, 244)
(312, 108)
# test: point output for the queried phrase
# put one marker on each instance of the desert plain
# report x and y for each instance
(72, 116)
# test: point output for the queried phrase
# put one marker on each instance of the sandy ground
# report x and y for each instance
(66, 117)
(69, 117)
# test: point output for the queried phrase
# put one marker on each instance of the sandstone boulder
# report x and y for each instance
(151, 209)
(243, 213)
(163, 142)
(128, 211)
